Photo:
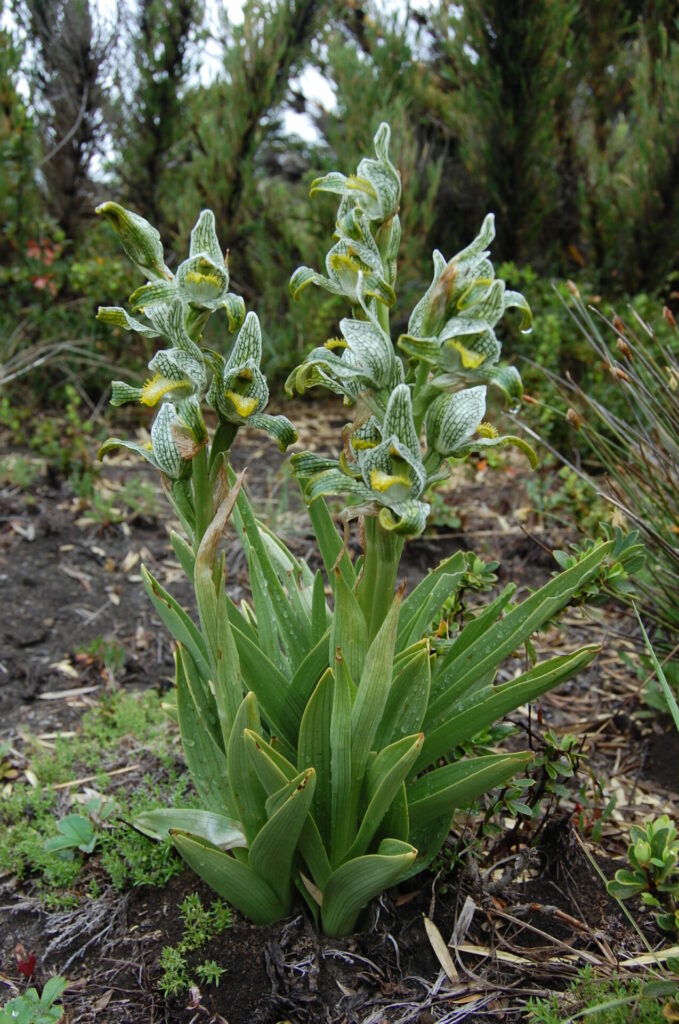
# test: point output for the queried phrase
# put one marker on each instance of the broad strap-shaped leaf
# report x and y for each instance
(249, 796)
(373, 689)
(349, 628)
(176, 620)
(281, 707)
(274, 847)
(439, 793)
(355, 883)
(496, 643)
(206, 760)
(234, 881)
(274, 771)
(314, 750)
(447, 667)
(305, 679)
(330, 543)
(408, 698)
(412, 604)
(384, 779)
(497, 701)
(217, 829)
(443, 586)
(344, 792)
(213, 611)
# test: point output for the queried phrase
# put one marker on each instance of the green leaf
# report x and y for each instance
(234, 881)
(408, 698)
(181, 627)
(330, 543)
(206, 760)
(281, 706)
(274, 771)
(343, 802)
(76, 833)
(319, 610)
(349, 628)
(444, 587)
(384, 780)
(439, 793)
(495, 701)
(314, 750)
(414, 602)
(273, 848)
(52, 990)
(184, 553)
(306, 678)
(494, 644)
(215, 828)
(373, 689)
(355, 883)
(249, 796)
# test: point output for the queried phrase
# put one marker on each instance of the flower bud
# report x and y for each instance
(139, 239)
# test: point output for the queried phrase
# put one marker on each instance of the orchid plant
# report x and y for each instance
(320, 718)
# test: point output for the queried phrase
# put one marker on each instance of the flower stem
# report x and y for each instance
(202, 495)
(378, 582)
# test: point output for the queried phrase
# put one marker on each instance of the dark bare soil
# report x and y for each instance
(525, 911)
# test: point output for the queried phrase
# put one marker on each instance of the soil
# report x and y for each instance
(525, 910)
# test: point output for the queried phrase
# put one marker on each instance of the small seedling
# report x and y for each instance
(31, 1008)
(653, 855)
(75, 833)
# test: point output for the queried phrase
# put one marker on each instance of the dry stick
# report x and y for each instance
(589, 957)
(92, 778)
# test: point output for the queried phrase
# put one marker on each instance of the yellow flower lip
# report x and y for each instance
(157, 387)
(193, 277)
(381, 482)
(244, 406)
(470, 360)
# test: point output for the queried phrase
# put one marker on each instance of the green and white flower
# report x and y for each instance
(376, 186)
(239, 392)
(177, 434)
(384, 469)
(452, 328)
(362, 358)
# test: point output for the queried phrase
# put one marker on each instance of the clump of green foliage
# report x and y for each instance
(200, 927)
(51, 848)
(31, 1008)
(653, 872)
(604, 1000)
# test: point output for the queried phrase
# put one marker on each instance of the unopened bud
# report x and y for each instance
(618, 373)
(624, 348)
(669, 316)
(139, 239)
(573, 289)
(618, 324)
(573, 418)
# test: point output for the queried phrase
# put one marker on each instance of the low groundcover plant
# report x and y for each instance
(320, 735)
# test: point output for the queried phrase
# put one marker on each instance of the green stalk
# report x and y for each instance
(223, 439)
(202, 495)
(380, 568)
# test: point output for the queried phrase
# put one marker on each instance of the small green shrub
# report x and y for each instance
(600, 999)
